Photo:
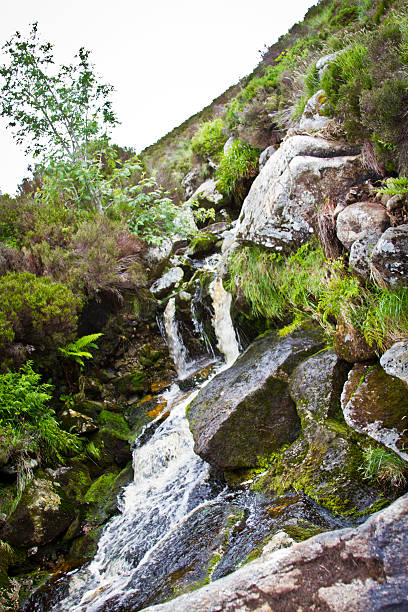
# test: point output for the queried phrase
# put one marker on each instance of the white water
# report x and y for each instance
(167, 471)
(224, 330)
(177, 349)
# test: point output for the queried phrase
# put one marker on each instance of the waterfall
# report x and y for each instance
(222, 322)
(166, 474)
(177, 349)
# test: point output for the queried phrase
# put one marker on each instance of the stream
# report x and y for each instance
(179, 525)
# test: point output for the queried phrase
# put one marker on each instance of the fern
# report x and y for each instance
(74, 350)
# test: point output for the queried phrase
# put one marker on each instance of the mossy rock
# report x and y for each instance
(112, 439)
(245, 413)
(324, 463)
(101, 505)
(131, 383)
(376, 404)
(202, 244)
(43, 513)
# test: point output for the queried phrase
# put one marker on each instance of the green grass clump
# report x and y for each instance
(275, 285)
(384, 466)
(239, 163)
(209, 139)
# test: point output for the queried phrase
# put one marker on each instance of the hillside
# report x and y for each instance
(204, 349)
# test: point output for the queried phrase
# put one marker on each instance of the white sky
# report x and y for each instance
(167, 59)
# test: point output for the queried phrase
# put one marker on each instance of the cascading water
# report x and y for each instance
(178, 527)
(177, 349)
(223, 327)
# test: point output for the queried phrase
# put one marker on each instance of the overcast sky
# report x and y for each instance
(167, 59)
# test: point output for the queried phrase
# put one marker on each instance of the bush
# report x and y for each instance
(209, 140)
(36, 311)
(27, 424)
(238, 164)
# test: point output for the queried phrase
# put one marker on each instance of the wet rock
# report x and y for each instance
(389, 261)
(359, 569)
(245, 412)
(358, 218)
(208, 196)
(279, 211)
(395, 361)
(43, 513)
(278, 541)
(312, 118)
(360, 253)
(316, 385)
(156, 257)
(350, 344)
(265, 155)
(376, 404)
(166, 283)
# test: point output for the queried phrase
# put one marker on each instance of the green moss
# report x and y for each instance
(115, 423)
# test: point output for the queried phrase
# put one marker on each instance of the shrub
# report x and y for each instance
(36, 311)
(209, 140)
(27, 423)
(237, 165)
(385, 466)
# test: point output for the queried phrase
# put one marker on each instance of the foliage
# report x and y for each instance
(209, 139)
(239, 163)
(384, 466)
(275, 284)
(36, 311)
(26, 420)
(55, 111)
(380, 314)
(75, 350)
(395, 186)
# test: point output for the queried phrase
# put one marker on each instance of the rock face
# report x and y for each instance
(167, 282)
(191, 181)
(360, 253)
(377, 405)
(395, 361)
(358, 218)
(279, 211)
(349, 570)
(245, 413)
(389, 261)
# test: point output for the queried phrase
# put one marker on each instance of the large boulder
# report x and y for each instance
(389, 260)
(245, 413)
(358, 218)
(353, 569)
(280, 210)
(376, 404)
